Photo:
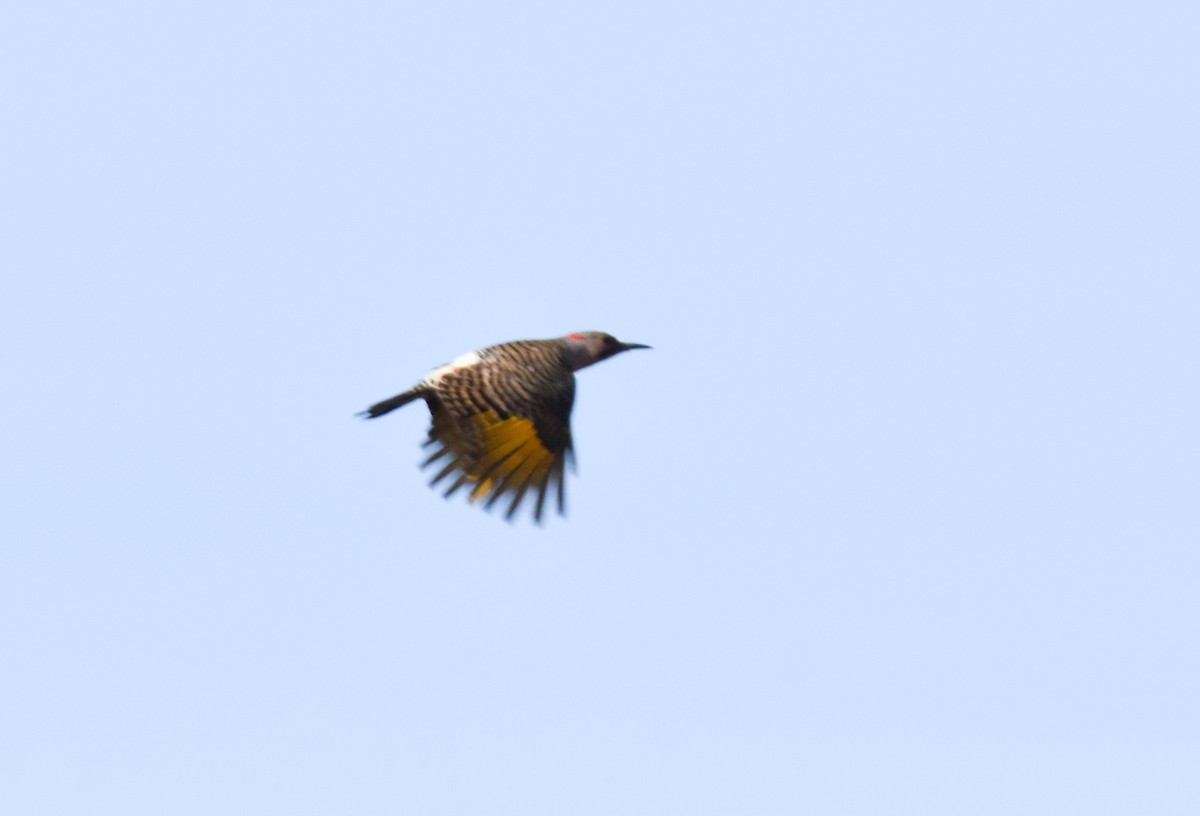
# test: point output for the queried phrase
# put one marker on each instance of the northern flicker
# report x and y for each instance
(501, 415)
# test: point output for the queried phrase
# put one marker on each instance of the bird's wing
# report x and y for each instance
(501, 441)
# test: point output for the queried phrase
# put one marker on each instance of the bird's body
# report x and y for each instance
(501, 415)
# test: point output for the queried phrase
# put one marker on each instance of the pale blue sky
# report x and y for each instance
(899, 517)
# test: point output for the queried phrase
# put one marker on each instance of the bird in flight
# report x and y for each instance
(502, 416)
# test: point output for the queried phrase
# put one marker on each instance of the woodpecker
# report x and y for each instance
(501, 416)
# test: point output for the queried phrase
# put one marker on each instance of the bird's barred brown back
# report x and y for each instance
(502, 426)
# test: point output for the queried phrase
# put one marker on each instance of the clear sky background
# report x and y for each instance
(899, 517)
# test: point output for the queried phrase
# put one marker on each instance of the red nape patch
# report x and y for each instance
(575, 337)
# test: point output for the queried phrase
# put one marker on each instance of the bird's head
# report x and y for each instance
(585, 348)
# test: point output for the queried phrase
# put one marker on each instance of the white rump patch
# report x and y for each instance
(461, 361)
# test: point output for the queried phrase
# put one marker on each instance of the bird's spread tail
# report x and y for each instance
(391, 404)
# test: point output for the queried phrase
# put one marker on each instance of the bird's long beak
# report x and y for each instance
(628, 346)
